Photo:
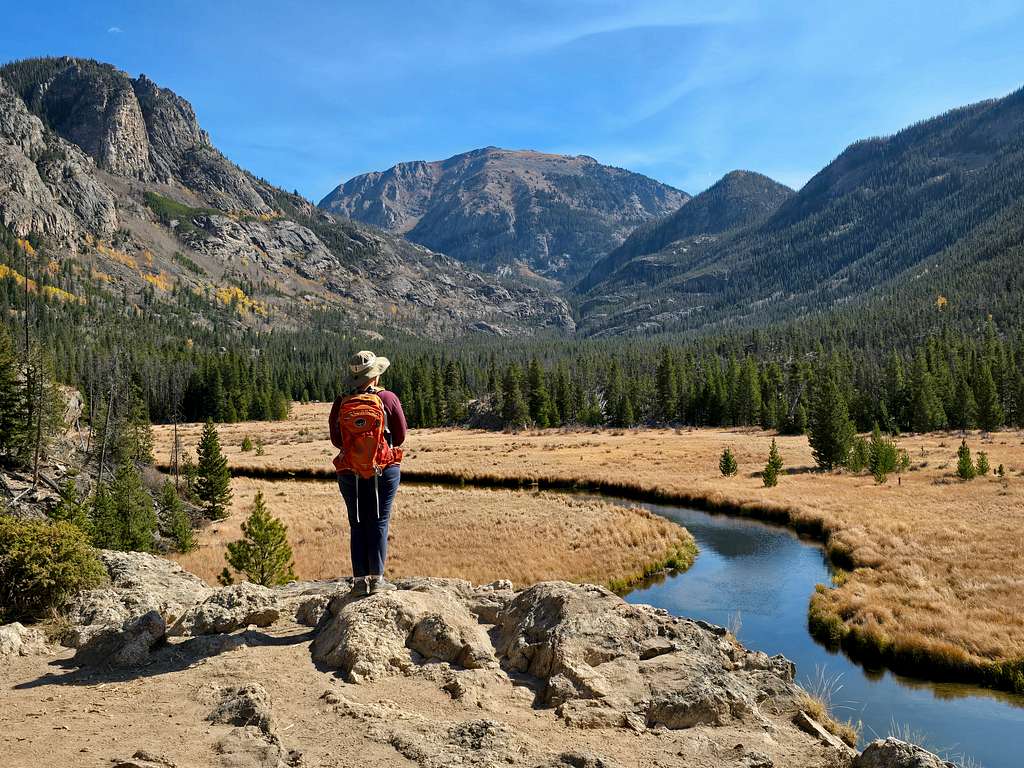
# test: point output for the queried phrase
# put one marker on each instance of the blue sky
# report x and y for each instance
(308, 94)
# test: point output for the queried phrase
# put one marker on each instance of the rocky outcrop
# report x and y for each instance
(19, 640)
(494, 207)
(893, 753)
(139, 583)
(228, 609)
(127, 645)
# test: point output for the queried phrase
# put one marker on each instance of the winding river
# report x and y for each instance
(759, 577)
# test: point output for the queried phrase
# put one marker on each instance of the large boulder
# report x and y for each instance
(228, 609)
(388, 633)
(893, 753)
(125, 646)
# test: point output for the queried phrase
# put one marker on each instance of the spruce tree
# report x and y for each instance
(830, 429)
(964, 464)
(174, 521)
(770, 474)
(213, 479)
(263, 554)
(106, 528)
(990, 410)
(727, 463)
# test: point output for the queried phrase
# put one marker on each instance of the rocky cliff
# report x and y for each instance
(116, 173)
(509, 210)
(164, 671)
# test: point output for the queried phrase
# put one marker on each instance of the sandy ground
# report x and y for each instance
(54, 717)
(941, 561)
(473, 534)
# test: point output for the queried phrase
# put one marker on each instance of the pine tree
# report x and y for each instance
(174, 519)
(213, 479)
(665, 386)
(981, 465)
(883, 455)
(263, 554)
(727, 463)
(106, 529)
(926, 411)
(747, 409)
(990, 411)
(515, 413)
(964, 412)
(133, 507)
(540, 399)
(770, 474)
(964, 465)
(12, 415)
(830, 429)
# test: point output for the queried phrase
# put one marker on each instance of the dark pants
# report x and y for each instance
(369, 512)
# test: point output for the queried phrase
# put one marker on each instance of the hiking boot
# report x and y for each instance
(379, 584)
(359, 588)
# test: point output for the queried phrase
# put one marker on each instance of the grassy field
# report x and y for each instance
(935, 566)
(475, 534)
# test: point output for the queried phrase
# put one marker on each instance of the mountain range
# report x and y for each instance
(116, 177)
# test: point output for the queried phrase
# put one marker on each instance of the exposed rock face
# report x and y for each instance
(228, 609)
(493, 207)
(81, 145)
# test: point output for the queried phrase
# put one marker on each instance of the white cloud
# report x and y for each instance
(114, 30)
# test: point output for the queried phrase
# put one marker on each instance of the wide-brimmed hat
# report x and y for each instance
(364, 366)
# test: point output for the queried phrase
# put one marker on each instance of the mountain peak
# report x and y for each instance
(498, 208)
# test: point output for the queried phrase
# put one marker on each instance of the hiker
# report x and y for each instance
(368, 426)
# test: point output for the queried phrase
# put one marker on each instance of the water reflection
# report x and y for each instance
(764, 575)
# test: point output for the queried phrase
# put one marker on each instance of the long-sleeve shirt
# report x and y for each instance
(397, 425)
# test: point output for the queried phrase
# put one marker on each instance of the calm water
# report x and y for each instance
(764, 576)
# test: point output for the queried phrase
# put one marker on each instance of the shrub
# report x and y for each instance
(770, 475)
(246, 444)
(264, 554)
(981, 466)
(42, 565)
(964, 465)
(727, 464)
(259, 447)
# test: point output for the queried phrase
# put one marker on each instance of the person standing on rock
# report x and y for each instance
(368, 427)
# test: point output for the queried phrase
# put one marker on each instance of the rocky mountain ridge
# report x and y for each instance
(439, 673)
(553, 215)
(117, 174)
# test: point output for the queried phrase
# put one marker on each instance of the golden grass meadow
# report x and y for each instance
(933, 574)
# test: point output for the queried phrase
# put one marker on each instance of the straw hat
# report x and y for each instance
(363, 367)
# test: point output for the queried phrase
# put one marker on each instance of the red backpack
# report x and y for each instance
(365, 450)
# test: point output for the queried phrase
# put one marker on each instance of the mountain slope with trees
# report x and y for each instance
(506, 210)
(921, 213)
